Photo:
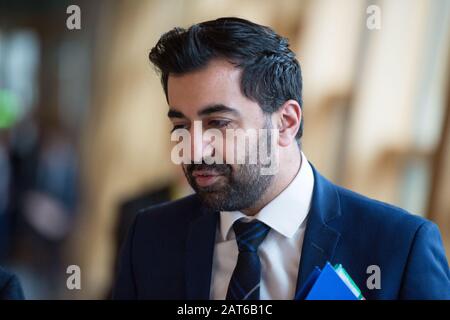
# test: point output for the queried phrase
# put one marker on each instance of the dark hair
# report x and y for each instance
(271, 74)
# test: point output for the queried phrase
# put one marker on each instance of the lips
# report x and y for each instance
(204, 173)
(205, 178)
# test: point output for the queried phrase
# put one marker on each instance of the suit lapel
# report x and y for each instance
(320, 239)
(199, 255)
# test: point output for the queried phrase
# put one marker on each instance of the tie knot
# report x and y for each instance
(249, 235)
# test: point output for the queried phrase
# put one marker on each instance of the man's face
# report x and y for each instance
(213, 96)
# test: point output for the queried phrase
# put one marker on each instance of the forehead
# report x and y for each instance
(217, 82)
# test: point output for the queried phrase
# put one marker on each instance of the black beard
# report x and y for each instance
(235, 191)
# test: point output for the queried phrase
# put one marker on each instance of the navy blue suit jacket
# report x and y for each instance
(10, 288)
(168, 253)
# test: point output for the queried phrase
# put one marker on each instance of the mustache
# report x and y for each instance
(219, 168)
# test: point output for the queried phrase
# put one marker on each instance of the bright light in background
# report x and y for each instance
(9, 109)
(19, 66)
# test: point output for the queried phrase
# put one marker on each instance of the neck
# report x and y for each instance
(290, 168)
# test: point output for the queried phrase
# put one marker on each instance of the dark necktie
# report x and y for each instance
(246, 278)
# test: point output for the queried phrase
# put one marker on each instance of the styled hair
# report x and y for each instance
(271, 74)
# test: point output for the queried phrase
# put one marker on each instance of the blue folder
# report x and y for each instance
(325, 284)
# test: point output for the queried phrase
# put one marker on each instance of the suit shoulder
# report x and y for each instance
(5, 277)
(368, 210)
(183, 209)
(10, 287)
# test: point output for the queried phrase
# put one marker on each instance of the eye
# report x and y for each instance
(218, 123)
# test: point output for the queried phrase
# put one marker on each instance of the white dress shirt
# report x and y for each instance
(281, 249)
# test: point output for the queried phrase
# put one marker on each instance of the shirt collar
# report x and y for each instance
(286, 212)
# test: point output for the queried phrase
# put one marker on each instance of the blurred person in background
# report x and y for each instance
(47, 205)
(8, 117)
(5, 219)
(10, 287)
(38, 197)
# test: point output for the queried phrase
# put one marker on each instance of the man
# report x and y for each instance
(247, 235)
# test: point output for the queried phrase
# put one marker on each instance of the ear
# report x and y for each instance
(289, 119)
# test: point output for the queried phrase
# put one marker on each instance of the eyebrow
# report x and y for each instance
(175, 114)
(208, 110)
(216, 109)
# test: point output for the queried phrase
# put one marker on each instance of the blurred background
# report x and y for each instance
(84, 139)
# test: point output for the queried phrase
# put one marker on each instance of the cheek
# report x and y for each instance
(234, 169)
(236, 149)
